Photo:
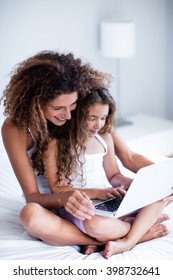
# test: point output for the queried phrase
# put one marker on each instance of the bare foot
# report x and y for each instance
(122, 245)
(115, 247)
(163, 217)
(157, 230)
(89, 249)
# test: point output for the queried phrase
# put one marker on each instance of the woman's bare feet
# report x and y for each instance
(122, 245)
(163, 217)
(89, 249)
(157, 230)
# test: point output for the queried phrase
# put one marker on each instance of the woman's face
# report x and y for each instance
(59, 109)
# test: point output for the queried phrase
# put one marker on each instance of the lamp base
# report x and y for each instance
(122, 121)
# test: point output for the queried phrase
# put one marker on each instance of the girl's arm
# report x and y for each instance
(111, 167)
(129, 159)
(50, 157)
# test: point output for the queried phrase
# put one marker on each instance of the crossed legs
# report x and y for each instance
(143, 227)
(50, 228)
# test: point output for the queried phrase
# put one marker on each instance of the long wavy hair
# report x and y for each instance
(35, 82)
(96, 96)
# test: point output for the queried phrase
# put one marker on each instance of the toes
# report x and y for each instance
(160, 227)
(89, 249)
(165, 232)
(107, 252)
(163, 217)
(159, 230)
(162, 230)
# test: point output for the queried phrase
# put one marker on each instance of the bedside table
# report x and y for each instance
(148, 135)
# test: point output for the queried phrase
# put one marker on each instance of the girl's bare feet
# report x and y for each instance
(122, 245)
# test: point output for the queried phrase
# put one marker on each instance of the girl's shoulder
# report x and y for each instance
(106, 137)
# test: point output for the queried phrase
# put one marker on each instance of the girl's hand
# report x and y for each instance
(110, 193)
(126, 182)
(78, 204)
(119, 180)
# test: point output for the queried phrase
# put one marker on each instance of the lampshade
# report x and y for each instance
(118, 39)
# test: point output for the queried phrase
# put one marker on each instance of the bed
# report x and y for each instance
(17, 244)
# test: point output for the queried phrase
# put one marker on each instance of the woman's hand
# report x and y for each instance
(78, 204)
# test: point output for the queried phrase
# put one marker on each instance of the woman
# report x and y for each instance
(38, 101)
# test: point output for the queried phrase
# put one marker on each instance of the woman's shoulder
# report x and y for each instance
(10, 130)
(9, 125)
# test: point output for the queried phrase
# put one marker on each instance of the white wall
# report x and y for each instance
(169, 61)
(29, 26)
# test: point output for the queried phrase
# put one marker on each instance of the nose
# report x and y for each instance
(98, 124)
(68, 113)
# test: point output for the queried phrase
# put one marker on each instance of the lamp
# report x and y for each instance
(118, 41)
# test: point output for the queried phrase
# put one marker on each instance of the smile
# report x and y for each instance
(61, 119)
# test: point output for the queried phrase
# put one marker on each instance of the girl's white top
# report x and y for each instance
(94, 175)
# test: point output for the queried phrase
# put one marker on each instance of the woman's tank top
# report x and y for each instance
(42, 182)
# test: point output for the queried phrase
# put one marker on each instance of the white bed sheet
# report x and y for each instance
(17, 244)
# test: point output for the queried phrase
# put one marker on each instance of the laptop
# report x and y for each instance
(151, 183)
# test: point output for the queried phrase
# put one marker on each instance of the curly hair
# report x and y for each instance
(37, 81)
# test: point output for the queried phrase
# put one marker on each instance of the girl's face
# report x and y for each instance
(96, 118)
(59, 109)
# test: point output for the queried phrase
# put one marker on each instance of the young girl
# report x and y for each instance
(96, 173)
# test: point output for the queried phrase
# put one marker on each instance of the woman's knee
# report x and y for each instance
(30, 215)
(40, 222)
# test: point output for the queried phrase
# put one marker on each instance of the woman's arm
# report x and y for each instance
(17, 142)
(129, 159)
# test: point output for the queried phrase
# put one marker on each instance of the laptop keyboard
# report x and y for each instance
(110, 205)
